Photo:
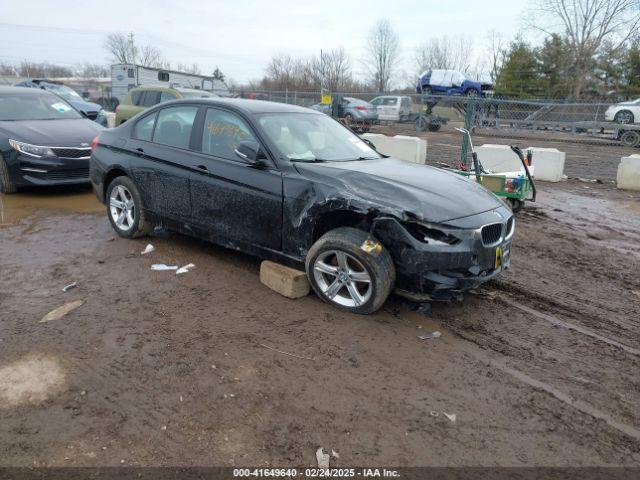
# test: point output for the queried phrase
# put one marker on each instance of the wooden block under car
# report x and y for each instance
(284, 280)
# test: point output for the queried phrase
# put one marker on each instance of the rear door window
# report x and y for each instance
(144, 128)
(166, 96)
(136, 98)
(390, 101)
(223, 132)
(174, 125)
(150, 98)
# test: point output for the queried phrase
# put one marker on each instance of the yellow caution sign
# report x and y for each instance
(326, 99)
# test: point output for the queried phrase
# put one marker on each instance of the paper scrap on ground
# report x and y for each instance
(428, 336)
(61, 311)
(450, 416)
(323, 458)
(162, 267)
(66, 288)
(148, 249)
(184, 269)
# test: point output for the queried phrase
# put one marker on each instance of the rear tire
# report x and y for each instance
(345, 276)
(472, 92)
(125, 209)
(630, 138)
(7, 185)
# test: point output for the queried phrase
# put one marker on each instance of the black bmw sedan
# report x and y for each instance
(43, 140)
(293, 185)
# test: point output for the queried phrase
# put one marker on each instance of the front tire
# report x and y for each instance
(345, 276)
(125, 209)
(7, 185)
(624, 117)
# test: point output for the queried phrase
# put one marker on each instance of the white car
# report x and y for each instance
(392, 107)
(625, 112)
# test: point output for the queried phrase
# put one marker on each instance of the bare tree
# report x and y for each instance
(586, 24)
(93, 70)
(150, 56)
(383, 49)
(121, 48)
(446, 53)
(496, 54)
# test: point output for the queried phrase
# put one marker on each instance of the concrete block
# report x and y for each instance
(629, 173)
(111, 119)
(498, 158)
(284, 280)
(402, 147)
(549, 163)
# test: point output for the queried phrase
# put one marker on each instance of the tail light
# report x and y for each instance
(94, 143)
(361, 107)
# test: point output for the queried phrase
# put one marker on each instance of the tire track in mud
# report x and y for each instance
(570, 326)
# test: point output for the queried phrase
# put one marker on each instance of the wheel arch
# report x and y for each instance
(333, 219)
(113, 173)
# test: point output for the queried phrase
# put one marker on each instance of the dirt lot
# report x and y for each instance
(587, 156)
(540, 367)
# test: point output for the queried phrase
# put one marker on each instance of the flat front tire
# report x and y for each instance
(345, 276)
(125, 209)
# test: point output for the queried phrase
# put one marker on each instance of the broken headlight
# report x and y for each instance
(31, 150)
(430, 235)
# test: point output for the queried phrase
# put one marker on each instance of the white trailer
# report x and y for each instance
(125, 76)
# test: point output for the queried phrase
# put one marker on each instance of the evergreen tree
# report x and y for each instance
(519, 76)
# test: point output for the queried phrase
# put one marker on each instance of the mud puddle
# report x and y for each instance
(16, 208)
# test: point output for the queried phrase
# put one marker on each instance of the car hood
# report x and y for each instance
(407, 190)
(85, 106)
(52, 133)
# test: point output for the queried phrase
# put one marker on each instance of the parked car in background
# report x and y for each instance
(393, 107)
(450, 82)
(624, 112)
(92, 111)
(292, 185)
(352, 110)
(141, 98)
(43, 140)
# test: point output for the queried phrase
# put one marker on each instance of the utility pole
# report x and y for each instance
(132, 51)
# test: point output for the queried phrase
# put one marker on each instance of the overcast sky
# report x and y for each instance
(239, 36)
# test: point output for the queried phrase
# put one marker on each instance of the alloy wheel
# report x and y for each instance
(342, 278)
(122, 208)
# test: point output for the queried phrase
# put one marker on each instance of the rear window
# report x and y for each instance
(390, 101)
(136, 98)
(173, 126)
(149, 99)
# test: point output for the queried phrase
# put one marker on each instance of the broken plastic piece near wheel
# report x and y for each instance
(66, 288)
(185, 269)
(323, 458)
(428, 336)
(371, 247)
(162, 267)
(148, 249)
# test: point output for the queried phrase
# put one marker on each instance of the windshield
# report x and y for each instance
(63, 91)
(311, 137)
(17, 106)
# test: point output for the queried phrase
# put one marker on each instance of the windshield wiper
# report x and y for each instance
(308, 160)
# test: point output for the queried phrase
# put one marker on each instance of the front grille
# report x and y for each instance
(73, 174)
(491, 233)
(72, 152)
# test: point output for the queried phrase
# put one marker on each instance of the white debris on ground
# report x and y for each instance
(431, 335)
(162, 267)
(323, 458)
(148, 249)
(61, 311)
(450, 416)
(66, 288)
(185, 269)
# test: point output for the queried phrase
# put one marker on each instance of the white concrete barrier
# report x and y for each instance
(111, 119)
(548, 162)
(629, 173)
(402, 147)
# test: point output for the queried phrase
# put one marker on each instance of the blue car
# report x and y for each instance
(92, 111)
(450, 82)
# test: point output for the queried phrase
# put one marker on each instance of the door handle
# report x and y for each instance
(139, 151)
(201, 168)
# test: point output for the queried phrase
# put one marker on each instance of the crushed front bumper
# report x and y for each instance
(440, 272)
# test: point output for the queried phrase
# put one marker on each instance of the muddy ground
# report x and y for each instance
(540, 367)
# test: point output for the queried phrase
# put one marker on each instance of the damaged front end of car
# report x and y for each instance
(439, 261)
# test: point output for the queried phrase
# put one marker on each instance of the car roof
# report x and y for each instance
(23, 91)
(247, 105)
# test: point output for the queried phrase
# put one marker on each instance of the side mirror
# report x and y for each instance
(250, 152)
